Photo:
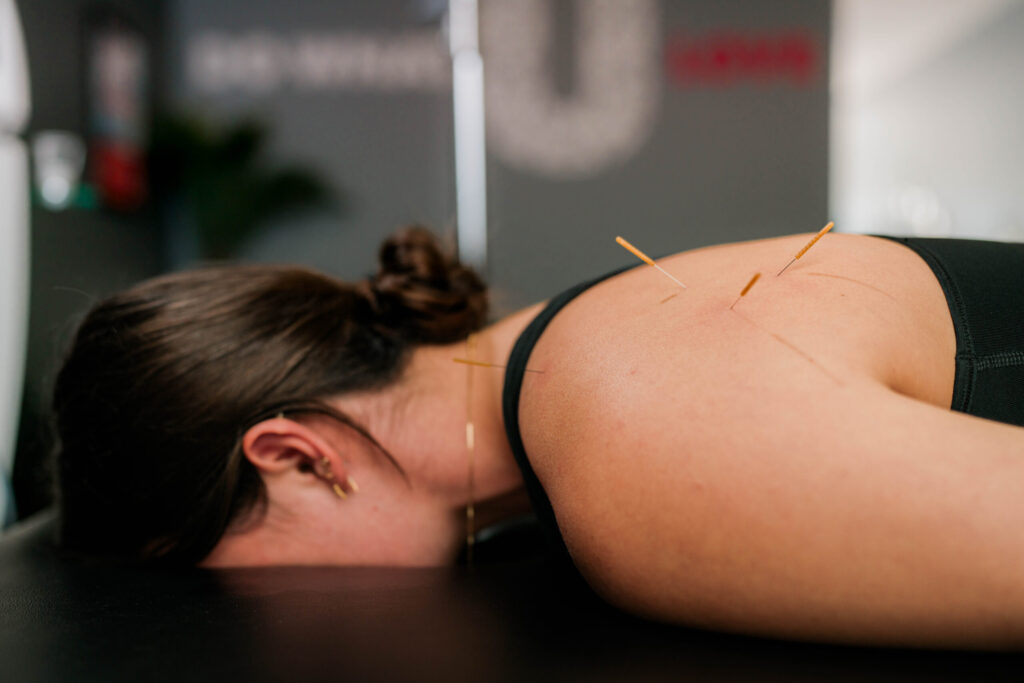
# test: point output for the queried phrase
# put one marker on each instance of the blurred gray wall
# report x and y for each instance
(677, 124)
(706, 139)
(358, 92)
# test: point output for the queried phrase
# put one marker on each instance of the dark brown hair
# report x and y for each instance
(162, 381)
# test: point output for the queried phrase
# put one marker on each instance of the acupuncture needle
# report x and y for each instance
(745, 290)
(482, 364)
(821, 233)
(647, 259)
(470, 452)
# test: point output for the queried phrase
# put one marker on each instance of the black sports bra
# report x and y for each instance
(514, 373)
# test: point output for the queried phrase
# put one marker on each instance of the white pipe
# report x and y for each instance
(470, 133)
(14, 91)
(14, 241)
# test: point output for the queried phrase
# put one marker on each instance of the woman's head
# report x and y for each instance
(163, 380)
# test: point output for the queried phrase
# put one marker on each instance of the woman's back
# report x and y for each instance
(852, 307)
(711, 464)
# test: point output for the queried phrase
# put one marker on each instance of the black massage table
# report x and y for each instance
(507, 618)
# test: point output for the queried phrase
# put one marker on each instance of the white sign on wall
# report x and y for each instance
(530, 125)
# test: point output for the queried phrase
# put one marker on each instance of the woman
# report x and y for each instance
(784, 463)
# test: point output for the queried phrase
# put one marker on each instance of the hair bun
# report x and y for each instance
(423, 294)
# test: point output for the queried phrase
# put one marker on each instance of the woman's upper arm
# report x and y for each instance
(828, 510)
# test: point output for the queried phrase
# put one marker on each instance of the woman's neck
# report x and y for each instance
(436, 400)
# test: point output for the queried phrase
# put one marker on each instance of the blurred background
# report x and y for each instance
(140, 136)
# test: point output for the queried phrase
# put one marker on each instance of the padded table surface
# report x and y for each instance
(64, 620)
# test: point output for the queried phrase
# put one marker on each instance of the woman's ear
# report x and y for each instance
(281, 445)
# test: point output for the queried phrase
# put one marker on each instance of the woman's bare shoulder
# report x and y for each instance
(705, 456)
(800, 511)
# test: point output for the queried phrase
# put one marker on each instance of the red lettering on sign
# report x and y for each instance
(119, 172)
(729, 58)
